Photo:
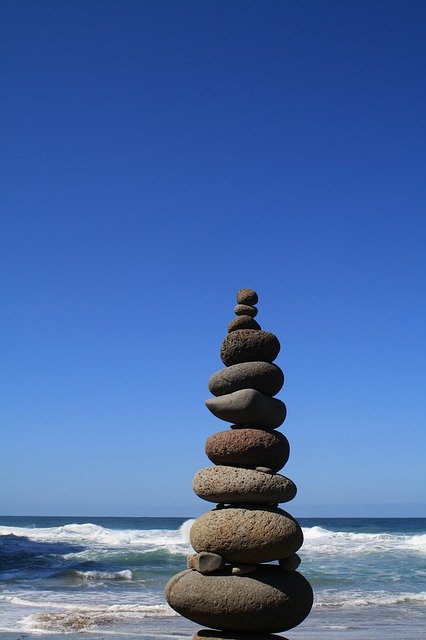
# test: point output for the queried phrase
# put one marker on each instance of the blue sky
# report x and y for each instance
(160, 155)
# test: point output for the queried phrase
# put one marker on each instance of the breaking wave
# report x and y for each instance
(374, 598)
(320, 540)
(317, 539)
(126, 574)
(95, 536)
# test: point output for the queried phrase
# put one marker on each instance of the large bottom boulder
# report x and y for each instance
(266, 601)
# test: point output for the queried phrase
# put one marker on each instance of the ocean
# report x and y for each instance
(106, 576)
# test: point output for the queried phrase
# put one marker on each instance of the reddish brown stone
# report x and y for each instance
(248, 448)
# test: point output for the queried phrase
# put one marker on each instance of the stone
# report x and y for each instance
(248, 448)
(248, 407)
(205, 562)
(236, 485)
(247, 345)
(267, 601)
(265, 377)
(243, 569)
(264, 469)
(247, 534)
(243, 322)
(247, 296)
(212, 634)
(291, 563)
(245, 310)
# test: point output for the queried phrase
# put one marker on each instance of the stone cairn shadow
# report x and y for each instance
(232, 584)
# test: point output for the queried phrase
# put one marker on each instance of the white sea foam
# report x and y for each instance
(87, 618)
(126, 574)
(51, 604)
(350, 599)
(92, 535)
(185, 530)
(317, 539)
(417, 543)
(320, 540)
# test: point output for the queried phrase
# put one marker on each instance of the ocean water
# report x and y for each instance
(107, 575)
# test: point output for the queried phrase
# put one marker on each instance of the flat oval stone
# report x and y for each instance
(268, 600)
(265, 377)
(248, 407)
(247, 296)
(248, 345)
(243, 322)
(236, 485)
(247, 534)
(248, 448)
(245, 310)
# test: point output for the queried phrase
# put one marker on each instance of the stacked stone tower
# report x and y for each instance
(232, 583)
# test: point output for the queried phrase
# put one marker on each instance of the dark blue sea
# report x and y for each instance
(107, 575)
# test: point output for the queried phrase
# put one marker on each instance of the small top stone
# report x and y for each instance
(247, 296)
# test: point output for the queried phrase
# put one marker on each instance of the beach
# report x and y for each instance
(105, 578)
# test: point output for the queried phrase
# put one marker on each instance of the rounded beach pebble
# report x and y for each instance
(236, 485)
(248, 407)
(245, 310)
(243, 322)
(247, 534)
(247, 345)
(267, 600)
(247, 296)
(248, 448)
(265, 377)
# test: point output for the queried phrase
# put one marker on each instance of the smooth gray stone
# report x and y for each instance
(248, 407)
(248, 448)
(265, 377)
(268, 600)
(248, 345)
(245, 310)
(205, 562)
(235, 485)
(247, 296)
(248, 534)
(243, 322)
(291, 563)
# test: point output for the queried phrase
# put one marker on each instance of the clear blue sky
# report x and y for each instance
(156, 157)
